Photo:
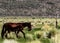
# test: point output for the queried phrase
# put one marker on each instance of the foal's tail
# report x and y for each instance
(3, 31)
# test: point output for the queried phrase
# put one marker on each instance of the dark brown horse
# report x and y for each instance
(14, 27)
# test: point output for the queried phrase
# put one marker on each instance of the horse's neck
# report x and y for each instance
(24, 26)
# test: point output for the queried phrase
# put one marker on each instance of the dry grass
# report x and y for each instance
(37, 23)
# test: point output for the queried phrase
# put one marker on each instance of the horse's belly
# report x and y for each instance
(12, 28)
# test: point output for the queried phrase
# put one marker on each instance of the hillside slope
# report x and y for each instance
(48, 8)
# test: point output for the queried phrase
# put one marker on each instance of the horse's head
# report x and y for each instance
(29, 26)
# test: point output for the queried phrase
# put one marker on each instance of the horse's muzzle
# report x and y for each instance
(29, 30)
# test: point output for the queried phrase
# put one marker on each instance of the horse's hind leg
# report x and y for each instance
(7, 33)
(23, 33)
(2, 34)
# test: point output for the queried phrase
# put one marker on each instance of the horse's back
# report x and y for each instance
(17, 24)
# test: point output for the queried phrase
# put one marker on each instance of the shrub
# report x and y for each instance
(29, 36)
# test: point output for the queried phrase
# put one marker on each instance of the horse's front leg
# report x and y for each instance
(23, 33)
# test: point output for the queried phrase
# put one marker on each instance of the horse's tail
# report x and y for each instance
(3, 30)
